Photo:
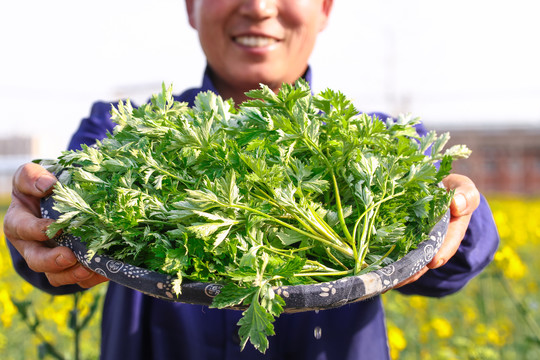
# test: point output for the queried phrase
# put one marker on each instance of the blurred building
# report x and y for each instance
(14, 151)
(503, 161)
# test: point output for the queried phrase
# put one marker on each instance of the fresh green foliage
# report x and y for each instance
(286, 189)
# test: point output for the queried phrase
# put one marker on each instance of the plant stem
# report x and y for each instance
(377, 263)
(344, 250)
(318, 151)
(33, 328)
(360, 256)
(522, 308)
(340, 210)
(336, 273)
(317, 227)
(314, 264)
(335, 259)
(76, 329)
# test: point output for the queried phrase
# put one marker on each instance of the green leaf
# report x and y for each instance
(458, 152)
(289, 237)
(232, 295)
(439, 144)
(421, 206)
(256, 326)
(445, 167)
(289, 268)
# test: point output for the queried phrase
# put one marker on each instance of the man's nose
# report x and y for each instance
(259, 9)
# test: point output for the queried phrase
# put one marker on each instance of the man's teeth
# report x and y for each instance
(255, 41)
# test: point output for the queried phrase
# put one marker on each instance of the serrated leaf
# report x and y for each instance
(291, 267)
(439, 144)
(204, 230)
(458, 152)
(232, 295)
(256, 326)
(177, 285)
(289, 237)
(421, 206)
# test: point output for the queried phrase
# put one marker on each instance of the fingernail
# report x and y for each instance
(440, 262)
(460, 202)
(81, 273)
(63, 262)
(44, 183)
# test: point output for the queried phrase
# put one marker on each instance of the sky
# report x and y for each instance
(460, 63)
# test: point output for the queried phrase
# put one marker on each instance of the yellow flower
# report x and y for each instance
(60, 318)
(85, 302)
(418, 302)
(8, 309)
(510, 263)
(57, 310)
(496, 337)
(501, 219)
(396, 341)
(442, 327)
(26, 289)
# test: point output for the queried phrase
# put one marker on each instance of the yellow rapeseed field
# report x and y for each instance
(495, 316)
(36, 325)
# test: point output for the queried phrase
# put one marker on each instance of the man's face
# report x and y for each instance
(247, 42)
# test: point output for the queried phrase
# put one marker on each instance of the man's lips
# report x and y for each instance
(254, 41)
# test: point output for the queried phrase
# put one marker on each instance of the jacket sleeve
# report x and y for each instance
(474, 254)
(94, 127)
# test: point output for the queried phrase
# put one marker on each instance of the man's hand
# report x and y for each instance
(25, 229)
(465, 201)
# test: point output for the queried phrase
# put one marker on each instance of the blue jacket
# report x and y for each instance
(139, 327)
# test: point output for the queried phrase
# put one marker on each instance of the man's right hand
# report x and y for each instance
(26, 230)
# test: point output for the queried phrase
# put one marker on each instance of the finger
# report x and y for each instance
(77, 274)
(33, 180)
(72, 275)
(454, 235)
(466, 196)
(94, 280)
(43, 259)
(59, 264)
(30, 183)
(21, 223)
(413, 278)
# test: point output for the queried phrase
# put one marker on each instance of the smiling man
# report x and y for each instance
(246, 42)
(251, 42)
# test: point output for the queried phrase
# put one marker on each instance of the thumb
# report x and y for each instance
(32, 180)
(466, 196)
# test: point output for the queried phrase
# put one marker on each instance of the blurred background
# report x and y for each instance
(470, 67)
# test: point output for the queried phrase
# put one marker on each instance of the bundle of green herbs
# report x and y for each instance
(284, 189)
